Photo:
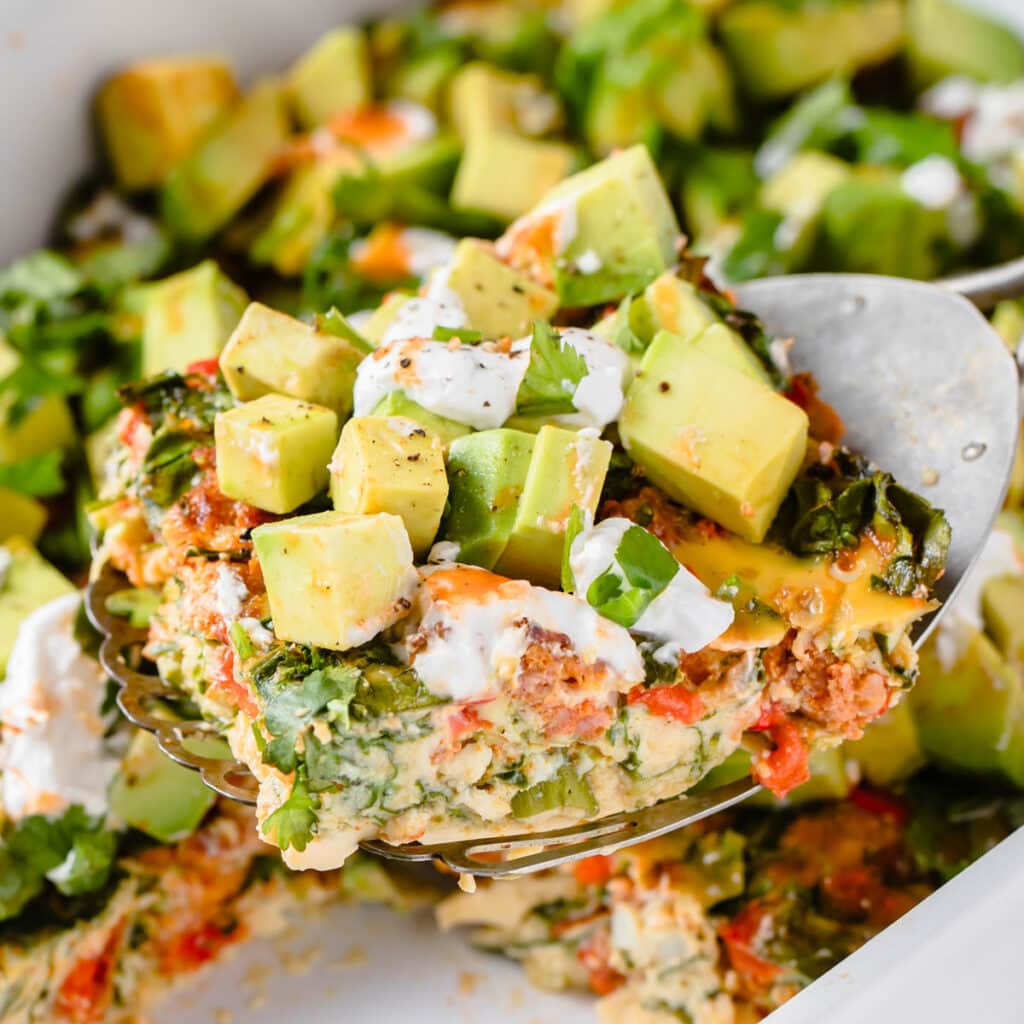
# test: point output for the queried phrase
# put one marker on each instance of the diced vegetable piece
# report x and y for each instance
(334, 75)
(391, 464)
(153, 113)
(20, 516)
(335, 580)
(498, 300)
(273, 452)
(487, 472)
(567, 790)
(712, 437)
(483, 182)
(271, 352)
(397, 403)
(567, 469)
(189, 318)
(214, 182)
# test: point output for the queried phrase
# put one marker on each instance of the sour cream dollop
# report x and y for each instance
(473, 627)
(683, 617)
(467, 383)
(599, 395)
(52, 753)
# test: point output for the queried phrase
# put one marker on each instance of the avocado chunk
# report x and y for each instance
(724, 344)
(217, 179)
(606, 232)
(499, 301)
(969, 708)
(1002, 608)
(27, 582)
(713, 437)
(188, 318)
(20, 516)
(152, 114)
(484, 98)
(696, 92)
(273, 452)
(157, 796)
(566, 469)
(871, 226)
(397, 403)
(272, 353)
(303, 213)
(383, 316)
(45, 426)
(670, 304)
(946, 38)
(331, 77)
(335, 580)
(483, 183)
(391, 464)
(486, 475)
(777, 49)
(889, 751)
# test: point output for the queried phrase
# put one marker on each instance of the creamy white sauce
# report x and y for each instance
(1000, 556)
(427, 249)
(995, 128)
(417, 318)
(469, 644)
(683, 617)
(231, 593)
(52, 753)
(443, 551)
(934, 182)
(109, 214)
(466, 383)
(256, 631)
(588, 262)
(599, 395)
(951, 98)
(563, 210)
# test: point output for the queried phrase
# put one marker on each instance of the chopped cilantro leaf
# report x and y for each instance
(464, 334)
(552, 376)
(292, 824)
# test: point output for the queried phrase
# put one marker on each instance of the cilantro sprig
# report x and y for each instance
(552, 376)
(290, 712)
(293, 823)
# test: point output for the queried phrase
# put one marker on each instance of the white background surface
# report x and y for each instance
(955, 959)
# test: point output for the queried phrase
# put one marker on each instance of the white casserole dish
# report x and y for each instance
(953, 958)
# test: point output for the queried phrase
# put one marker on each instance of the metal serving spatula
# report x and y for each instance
(927, 390)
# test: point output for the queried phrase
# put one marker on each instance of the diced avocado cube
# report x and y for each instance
(332, 76)
(383, 316)
(152, 114)
(1002, 608)
(777, 49)
(486, 475)
(670, 304)
(20, 516)
(335, 580)
(397, 403)
(273, 452)
(272, 353)
(968, 706)
(424, 79)
(391, 464)
(946, 38)
(483, 98)
(216, 180)
(725, 345)
(44, 426)
(188, 318)
(889, 751)
(871, 226)
(303, 213)
(157, 796)
(606, 232)
(800, 186)
(618, 115)
(696, 92)
(483, 183)
(499, 301)
(712, 437)
(566, 469)
(27, 582)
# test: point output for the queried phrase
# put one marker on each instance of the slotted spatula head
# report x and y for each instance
(925, 386)
(927, 390)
